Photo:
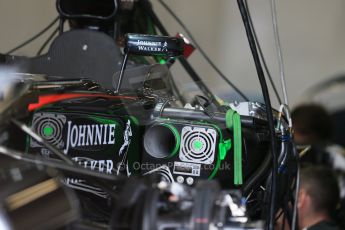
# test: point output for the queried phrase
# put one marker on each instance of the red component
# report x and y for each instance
(52, 98)
(188, 50)
(188, 47)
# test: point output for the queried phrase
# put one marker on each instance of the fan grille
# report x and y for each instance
(49, 126)
(198, 145)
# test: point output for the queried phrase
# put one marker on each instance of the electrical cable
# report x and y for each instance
(177, 19)
(284, 109)
(282, 161)
(61, 24)
(257, 176)
(268, 73)
(280, 215)
(34, 37)
(39, 52)
(283, 154)
(279, 50)
(262, 80)
(304, 151)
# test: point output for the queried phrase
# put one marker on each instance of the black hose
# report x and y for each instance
(261, 76)
(258, 175)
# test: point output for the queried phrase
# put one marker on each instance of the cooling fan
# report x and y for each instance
(50, 127)
(198, 145)
(189, 150)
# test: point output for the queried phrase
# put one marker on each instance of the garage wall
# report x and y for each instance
(312, 36)
(21, 19)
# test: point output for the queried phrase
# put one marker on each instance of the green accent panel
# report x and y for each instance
(224, 147)
(238, 150)
(233, 122)
(197, 145)
(48, 131)
(229, 121)
(135, 120)
(162, 62)
(104, 120)
(216, 168)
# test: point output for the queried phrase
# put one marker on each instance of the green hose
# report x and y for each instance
(233, 122)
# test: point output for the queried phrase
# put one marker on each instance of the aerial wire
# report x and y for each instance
(268, 73)
(189, 69)
(178, 20)
(279, 50)
(39, 52)
(33, 37)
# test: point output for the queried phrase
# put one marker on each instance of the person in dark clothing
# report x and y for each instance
(317, 199)
(312, 127)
